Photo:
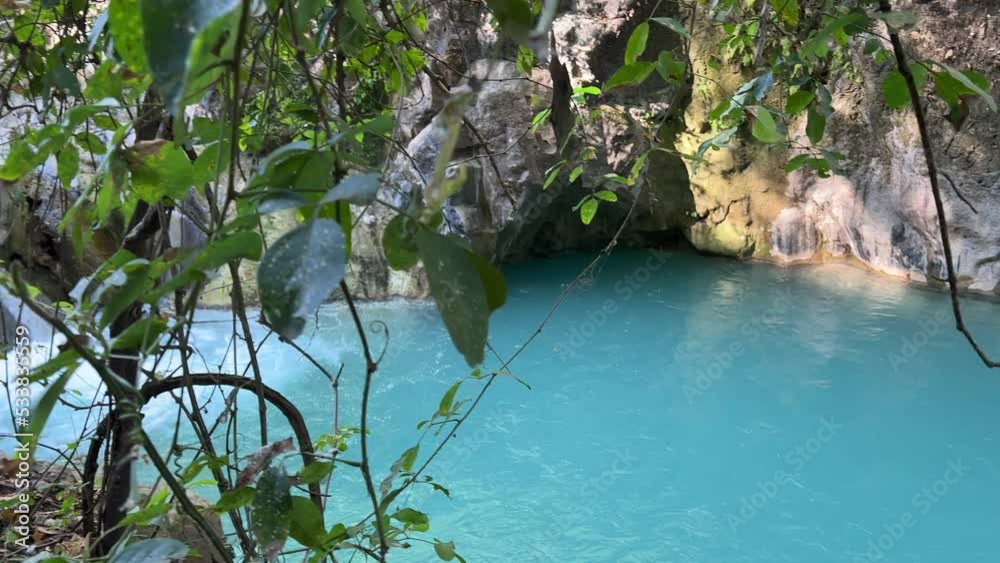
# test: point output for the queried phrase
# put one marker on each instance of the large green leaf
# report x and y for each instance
(137, 284)
(234, 499)
(788, 10)
(398, 243)
(67, 164)
(897, 95)
(815, 126)
(765, 128)
(171, 30)
(799, 101)
(458, 291)
(974, 83)
(514, 16)
(630, 75)
(270, 517)
(359, 189)
(165, 173)
(588, 210)
(239, 245)
(637, 43)
(306, 526)
(299, 272)
(412, 519)
(153, 550)
(125, 24)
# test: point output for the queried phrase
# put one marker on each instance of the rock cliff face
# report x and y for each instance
(741, 203)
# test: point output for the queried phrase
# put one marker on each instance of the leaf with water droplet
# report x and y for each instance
(271, 511)
(299, 272)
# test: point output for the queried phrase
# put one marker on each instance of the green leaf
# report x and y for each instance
(413, 519)
(445, 550)
(552, 175)
(796, 162)
(359, 189)
(67, 164)
(458, 291)
(673, 25)
(637, 43)
(853, 22)
(299, 272)
(815, 126)
(492, 280)
(974, 82)
(65, 362)
(153, 550)
(764, 127)
(409, 458)
(398, 243)
(607, 195)
(279, 200)
(799, 101)
(90, 142)
(588, 210)
(897, 95)
(234, 499)
(146, 515)
(670, 68)
(525, 59)
(919, 73)
(575, 173)
(243, 244)
(137, 284)
(166, 173)
(171, 30)
(141, 336)
(21, 159)
(444, 409)
(788, 10)
(270, 515)
(514, 16)
(316, 471)
(306, 526)
(125, 24)
(900, 20)
(718, 141)
(587, 90)
(630, 75)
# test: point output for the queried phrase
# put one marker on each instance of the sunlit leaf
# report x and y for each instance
(765, 128)
(637, 43)
(588, 210)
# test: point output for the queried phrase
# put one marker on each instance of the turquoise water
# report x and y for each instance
(681, 409)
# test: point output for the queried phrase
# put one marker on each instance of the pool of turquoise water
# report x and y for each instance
(680, 409)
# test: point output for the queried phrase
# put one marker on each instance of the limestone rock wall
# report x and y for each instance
(878, 214)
